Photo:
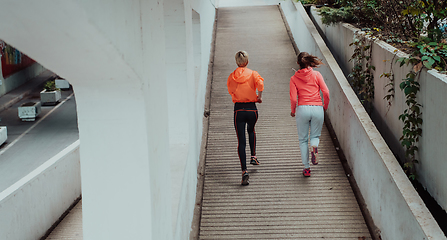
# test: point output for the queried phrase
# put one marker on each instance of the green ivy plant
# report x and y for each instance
(433, 55)
(412, 26)
(412, 116)
(430, 55)
(391, 84)
(389, 96)
(361, 76)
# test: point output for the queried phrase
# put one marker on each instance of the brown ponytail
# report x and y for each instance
(305, 60)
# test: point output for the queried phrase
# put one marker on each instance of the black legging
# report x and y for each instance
(245, 113)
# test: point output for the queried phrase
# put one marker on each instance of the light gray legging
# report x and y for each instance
(309, 116)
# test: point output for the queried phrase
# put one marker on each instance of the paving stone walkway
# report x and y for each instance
(279, 203)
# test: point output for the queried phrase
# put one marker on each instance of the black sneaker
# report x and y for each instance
(254, 161)
(245, 178)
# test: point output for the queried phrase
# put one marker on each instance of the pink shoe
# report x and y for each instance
(306, 172)
(314, 154)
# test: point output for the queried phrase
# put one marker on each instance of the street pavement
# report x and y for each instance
(30, 144)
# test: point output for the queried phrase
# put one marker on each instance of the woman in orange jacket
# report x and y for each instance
(242, 85)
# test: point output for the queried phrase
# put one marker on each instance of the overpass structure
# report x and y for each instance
(162, 65)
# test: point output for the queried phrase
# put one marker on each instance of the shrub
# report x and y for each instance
(50, 86)
(334, 15)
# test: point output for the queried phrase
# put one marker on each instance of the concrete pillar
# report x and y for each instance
(197, 51)
(113, 55)
(179, 100)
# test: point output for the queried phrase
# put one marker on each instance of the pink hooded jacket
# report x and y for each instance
(306, 85)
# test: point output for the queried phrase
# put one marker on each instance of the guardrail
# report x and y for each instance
(32, 205)
(394, 205)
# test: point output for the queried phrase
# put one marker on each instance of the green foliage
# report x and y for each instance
(426, 52)
(361, 76)
(307, 1)
(335, 15)
(412, 116)
(424, 15)
(50, 86)
(411, 25)
(316, 2)
(403, 19)
(391, 85)
(432, 54)
(391, 90)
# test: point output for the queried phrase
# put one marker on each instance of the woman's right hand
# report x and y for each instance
(292, 114)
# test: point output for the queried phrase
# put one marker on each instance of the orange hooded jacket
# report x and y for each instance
(242, 85)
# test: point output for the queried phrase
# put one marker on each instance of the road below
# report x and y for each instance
(30, 144)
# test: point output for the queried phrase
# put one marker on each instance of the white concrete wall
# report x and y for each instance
(31, 206)
(432, 97)
(395, 206)
(188, 31)
(138, 99)
(19, 78)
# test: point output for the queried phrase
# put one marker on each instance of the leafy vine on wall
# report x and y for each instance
(361, 76)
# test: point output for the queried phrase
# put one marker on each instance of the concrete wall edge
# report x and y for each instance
(33, 204)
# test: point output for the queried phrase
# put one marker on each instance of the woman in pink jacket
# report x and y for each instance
(305, 86)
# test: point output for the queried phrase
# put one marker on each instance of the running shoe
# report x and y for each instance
(245, 178)
(306, 172)
(314, 154)
(254, 161)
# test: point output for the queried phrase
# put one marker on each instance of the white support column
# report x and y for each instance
(113, 55)
(156, 98)
(197, 50)
(176, 71)
(190, 77)
(177, 78)
(197, 108)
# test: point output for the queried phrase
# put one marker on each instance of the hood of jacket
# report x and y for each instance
(241, 75)
(303, 74)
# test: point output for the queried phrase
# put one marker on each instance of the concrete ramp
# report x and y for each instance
(279, 203)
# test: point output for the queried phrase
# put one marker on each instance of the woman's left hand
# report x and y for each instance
(292, 114)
